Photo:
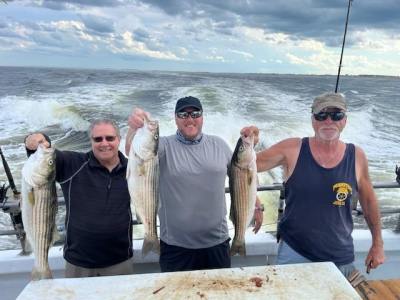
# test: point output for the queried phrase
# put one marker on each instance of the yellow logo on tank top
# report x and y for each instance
(343, 191)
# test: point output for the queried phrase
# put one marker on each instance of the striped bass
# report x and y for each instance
(243, 190)
(39, 207)
(142, 176)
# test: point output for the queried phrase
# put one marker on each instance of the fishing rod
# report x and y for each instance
(9, 175)
(344, 40)
(14, 211)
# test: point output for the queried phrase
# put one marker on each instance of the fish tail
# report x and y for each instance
(41, 274)
(150, 244)
(238, 247)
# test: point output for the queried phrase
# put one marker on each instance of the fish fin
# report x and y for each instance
(232, 208)
(38, 275)
(249, 176)
(150, 244)
(142, 170)
(238, 247)
(26, 248)
(56, 236)
(128, 171)
(31, 197)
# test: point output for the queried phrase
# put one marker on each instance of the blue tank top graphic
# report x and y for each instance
(317, 221)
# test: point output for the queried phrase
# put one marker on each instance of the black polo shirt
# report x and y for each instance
(98, 218)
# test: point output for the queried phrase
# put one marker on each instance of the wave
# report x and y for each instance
(20, 115)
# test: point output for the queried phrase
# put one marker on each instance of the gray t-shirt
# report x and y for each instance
(192, 208)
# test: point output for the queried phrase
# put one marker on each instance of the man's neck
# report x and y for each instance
(110, 165)
(326, 145)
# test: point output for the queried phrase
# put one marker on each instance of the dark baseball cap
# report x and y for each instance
(185, 102)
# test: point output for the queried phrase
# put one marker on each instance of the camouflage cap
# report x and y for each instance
(328, 100)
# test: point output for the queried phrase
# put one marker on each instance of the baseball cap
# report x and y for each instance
(328, 100)
(185, 102)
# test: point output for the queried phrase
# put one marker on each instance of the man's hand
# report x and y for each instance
(136, 119)
(375, 257)
(34, 139)
(258, 219)
(251, 130)
(258, 215)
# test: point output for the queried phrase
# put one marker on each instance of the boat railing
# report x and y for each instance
(12, 207)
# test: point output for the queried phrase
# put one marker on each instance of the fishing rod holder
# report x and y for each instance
(3, 192)
(14, 212)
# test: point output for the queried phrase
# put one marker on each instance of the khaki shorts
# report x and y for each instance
(123, 268)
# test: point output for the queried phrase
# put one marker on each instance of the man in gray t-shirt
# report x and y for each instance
(193, 168)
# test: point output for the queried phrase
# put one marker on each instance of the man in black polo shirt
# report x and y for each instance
(98, 222)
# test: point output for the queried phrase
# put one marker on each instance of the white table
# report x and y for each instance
(301, 281)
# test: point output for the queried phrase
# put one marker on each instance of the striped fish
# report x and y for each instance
(39, 207)
(142, 176)
(243, 190)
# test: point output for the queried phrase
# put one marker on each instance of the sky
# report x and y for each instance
(247, 36)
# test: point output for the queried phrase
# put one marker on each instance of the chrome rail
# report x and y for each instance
(12, 207)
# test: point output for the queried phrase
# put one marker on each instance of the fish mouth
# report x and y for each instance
(248, 141)
(46, 149)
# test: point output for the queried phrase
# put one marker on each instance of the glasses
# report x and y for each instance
(335, 115)
(194, 114)
(108, 138)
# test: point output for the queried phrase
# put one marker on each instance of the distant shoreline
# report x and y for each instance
(191, 72)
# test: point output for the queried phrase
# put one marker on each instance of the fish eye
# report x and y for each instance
(241, 148)
(50, 162)
(156, 136)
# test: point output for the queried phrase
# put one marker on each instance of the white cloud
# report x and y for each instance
(246, 55)
(376, 40)
(137, 29)
(259, 35)
(183, 51)
(130, 46)
(219, 58)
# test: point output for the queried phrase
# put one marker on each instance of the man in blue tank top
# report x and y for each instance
(321, 174)
(193, 168)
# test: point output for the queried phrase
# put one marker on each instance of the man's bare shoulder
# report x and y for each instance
(290, 143)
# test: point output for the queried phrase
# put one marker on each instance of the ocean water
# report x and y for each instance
(62, 102)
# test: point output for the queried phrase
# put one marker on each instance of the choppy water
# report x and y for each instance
(61, 102)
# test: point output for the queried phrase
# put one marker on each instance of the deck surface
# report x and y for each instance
(301, 281)
(380, 289)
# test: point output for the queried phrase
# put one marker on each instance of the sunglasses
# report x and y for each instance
(194, 114)
(108, 138)
(335, 115)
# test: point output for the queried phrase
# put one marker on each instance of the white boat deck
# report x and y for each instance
(261, 251)
(302, 281)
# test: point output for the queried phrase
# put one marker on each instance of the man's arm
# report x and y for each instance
(369, 204)
(135, 121)
(128, 139)
(283, 153)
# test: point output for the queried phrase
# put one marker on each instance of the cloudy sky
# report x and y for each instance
(270, 36)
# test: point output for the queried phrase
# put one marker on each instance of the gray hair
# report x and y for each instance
(103, 121)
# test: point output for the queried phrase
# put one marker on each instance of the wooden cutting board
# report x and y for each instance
(379, 289)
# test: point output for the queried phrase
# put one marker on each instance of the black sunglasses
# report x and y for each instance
(194, 114)
(108, 138)
(335, 115)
